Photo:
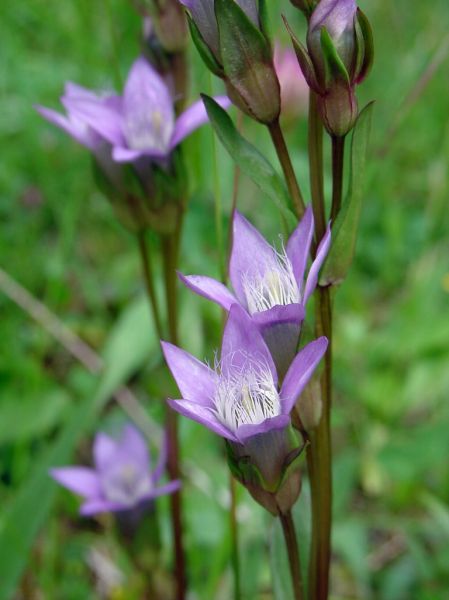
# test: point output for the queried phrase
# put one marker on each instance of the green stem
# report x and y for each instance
(170, 249)
(147, 271)
(338, 157)
(316, 167)
(284, 158)
(319, 451)
(235, 538)
(291, 543)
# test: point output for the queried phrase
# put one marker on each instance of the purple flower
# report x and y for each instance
(122, 477)
(141, 123)
(269, 284)
(240, 398)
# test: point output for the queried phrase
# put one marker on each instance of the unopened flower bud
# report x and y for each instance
(268, 465)
(231, 39)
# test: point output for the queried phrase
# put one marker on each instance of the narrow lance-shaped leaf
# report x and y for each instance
(249, 159)
(344, 232)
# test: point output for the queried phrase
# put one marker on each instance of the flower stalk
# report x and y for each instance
(291, 543)
(338, 157)
(147, 274)
(278, 139)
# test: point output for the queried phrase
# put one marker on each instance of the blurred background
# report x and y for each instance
(59, 239)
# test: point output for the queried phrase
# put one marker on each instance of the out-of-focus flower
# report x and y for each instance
(232, 40)
(340, 54)
(122, 477)
(294, 88)
(241, 401)
(141, 123)
(269, 284)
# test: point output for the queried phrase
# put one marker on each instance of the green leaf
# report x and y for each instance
(126, 350)
(249, 159)
(344, 232)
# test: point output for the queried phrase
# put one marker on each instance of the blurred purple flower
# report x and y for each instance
(240, 398)
(122, 477)
(269, 284)
(294, 88)
(141, 123)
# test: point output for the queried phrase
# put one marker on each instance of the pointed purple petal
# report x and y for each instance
(335, 15)
(99, 113)
(251, 255)
(166, 489)
(280, 314)
(195, 380)
(242, 340)
(192, 118)
(148, 112)
(81, 480)
(104, 450)
(209, 288)
(203, 415)
(247, 431)
(121, 154)
(300, 372)
(93, 507)
(312, 277)
(76, 129)
(133, 444)
(298, 246)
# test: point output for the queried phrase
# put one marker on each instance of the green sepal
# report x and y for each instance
(344, 231)
(242, 44)
(334, 66)
(368, 54)
(304, 60)
(250, 160)
(203, 49)
(264, 19)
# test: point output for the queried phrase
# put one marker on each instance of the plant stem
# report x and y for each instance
(234, 538)
(316, 167)
(319, 451)
(284, 158)
(147, 271)
(291, 544)
(170, 248)
(338, 157)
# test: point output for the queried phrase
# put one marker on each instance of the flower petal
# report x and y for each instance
(242, 340)
(203, 415)
(192, 118)
(321, 253)
(93, 507)
(104, 450)
(147, 110)
(247, 431)
(166, 489)
(203, 14)
(251, 255)
(300, 372)
(335, 15)
(102, 115)
(133, 444)
(298, 246)
(78, 130)
(209, 288)
(81, 480)
(195, 380)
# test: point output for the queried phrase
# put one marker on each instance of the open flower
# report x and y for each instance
(269, 284)
(122, 477)
(141, 123)
(241, 400)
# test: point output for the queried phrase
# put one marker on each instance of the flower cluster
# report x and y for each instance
(248, 396)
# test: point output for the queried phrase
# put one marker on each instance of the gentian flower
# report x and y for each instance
(241, 400)
(233, 42)
(141, 123)
(269, 284)
(121, 479)
(340, 54)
